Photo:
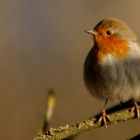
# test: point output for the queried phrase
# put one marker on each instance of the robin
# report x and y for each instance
(112, 66)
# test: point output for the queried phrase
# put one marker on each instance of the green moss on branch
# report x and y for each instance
(80, 127)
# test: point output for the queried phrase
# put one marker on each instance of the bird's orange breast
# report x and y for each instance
(109, 45)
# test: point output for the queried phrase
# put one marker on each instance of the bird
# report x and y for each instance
(112, 65)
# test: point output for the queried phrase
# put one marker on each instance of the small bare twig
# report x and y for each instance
(49, 109)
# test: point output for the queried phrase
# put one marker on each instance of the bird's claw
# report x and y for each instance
(136, 110)
(104, 119)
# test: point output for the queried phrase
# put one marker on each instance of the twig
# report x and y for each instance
(71, 130)
(49, 109)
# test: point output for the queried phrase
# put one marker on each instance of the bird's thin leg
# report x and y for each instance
(106, 100)
(104, 117)
(135, 109)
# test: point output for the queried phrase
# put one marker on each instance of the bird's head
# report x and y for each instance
(112, 36)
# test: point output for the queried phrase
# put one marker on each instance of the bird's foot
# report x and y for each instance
(104, 119)
(136, 109)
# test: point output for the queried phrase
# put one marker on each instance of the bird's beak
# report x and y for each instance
(92, 32)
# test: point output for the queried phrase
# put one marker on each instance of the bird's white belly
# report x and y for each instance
(115, 79)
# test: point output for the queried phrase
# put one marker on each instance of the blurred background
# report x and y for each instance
(43, 45)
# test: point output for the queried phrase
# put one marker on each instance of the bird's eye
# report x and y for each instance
(108, 32)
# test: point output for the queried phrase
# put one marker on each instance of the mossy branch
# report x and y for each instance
(117, 114)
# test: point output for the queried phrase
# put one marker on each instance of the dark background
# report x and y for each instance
(43, 45)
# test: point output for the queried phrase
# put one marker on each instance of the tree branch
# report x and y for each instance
(117, 114)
